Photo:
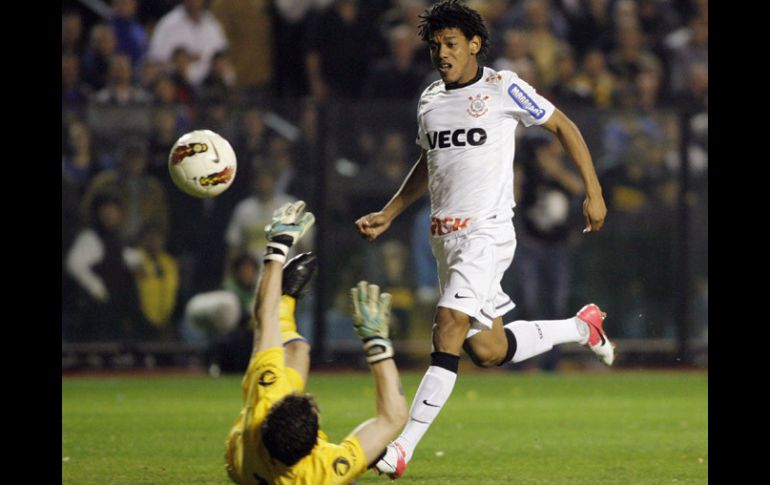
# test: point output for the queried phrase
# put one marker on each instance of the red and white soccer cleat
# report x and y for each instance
(597, 339)
(393, 462)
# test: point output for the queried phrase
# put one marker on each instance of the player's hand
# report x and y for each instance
(595, 211)
(372, 225)
(287, 228)
(371, 317)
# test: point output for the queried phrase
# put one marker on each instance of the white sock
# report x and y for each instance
(535, 337)
(435, 389)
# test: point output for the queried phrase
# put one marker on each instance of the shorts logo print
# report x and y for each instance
(341, 466)
(267, 378)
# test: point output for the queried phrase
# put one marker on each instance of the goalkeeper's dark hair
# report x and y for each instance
(447, 14)
(290, 430)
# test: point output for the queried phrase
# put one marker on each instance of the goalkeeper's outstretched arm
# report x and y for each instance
(288, 226)
(371, 313)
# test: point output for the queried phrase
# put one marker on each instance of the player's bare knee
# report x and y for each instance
(450, 329)
(297, 349)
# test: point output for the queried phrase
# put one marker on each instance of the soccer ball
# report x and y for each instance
(202, 164)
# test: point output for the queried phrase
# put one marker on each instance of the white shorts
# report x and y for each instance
(470, 267)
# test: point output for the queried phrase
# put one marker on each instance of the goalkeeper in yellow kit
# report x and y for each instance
(276, 438)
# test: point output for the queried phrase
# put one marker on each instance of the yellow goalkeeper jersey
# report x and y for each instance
(247, 460)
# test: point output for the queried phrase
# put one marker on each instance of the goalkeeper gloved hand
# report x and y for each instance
(371, 315)
(286, 229)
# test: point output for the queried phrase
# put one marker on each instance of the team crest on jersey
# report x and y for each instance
(478, 105)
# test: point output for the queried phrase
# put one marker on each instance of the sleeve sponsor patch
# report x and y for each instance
(525, 102)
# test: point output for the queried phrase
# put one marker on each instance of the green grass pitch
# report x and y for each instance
(617, 427)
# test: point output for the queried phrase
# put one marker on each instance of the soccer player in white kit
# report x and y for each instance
(466, 129)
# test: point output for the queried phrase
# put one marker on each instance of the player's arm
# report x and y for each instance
(286, 229)
(371, 313)
(572, 140)
(414, 186)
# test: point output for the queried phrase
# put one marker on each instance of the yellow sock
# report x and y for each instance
(286, 315)
(288, 323)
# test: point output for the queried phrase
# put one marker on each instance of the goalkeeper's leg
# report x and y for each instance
(296, 347)
(296, 274)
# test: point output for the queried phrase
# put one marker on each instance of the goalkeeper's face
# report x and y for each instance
(290, 429)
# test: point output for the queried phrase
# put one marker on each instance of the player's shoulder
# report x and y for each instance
(503, 77)
(433, 88)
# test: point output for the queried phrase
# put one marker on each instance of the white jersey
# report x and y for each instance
(468, 133)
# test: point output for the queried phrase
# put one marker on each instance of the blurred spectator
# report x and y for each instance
(143, 195)
(120, 89)
(157, 279)
(129, 32)
(387, 167)
(80, 163)
(191, 26)
(246, 231)
(398, 76)
(98, 56)
(648, 85)
(563, 87)
(181, 61)
(630, 57)
(547, 188)
(657, 19)
(71, 33)
(74, 93)
(248, 25)
(164, 91)
(220, 84)
(163, 135)
(403, 12)
(280, 158)
(496, 14)
(249, 143)
(231, 352)
(590, 25)
(108, 302)
(165, 97)
(688, 48)
(628, 123)
(595, 83)
(292, 20)
(214, 116)
(338, 52)
(539, 15)
(396, 280)
(697, 95)
(149, 74)
(515, 56)
(544, 43)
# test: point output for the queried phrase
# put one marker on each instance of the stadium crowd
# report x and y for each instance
(313, 88)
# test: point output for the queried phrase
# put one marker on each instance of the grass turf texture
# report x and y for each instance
(498, 428)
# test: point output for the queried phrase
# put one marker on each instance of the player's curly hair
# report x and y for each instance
(447, 14)
(290, 429)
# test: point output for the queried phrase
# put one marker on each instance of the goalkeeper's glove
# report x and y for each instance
(371, 315)
(286, 229)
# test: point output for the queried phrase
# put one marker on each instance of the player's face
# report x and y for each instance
(454, 55)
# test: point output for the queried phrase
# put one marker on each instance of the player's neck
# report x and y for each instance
(468, 80)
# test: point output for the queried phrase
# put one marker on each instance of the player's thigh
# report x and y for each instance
(297, 357)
